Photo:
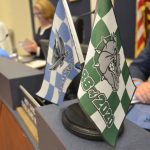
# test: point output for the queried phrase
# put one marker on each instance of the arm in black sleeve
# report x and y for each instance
(140, 68)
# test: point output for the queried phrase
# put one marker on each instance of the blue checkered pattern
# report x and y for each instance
(56, 82)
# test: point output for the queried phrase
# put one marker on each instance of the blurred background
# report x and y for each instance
(18, 18)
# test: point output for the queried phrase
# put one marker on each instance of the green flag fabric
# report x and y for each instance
(106, 88)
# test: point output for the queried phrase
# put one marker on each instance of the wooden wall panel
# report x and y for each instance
(11, 134)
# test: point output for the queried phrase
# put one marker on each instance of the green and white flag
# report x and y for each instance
(106, 88)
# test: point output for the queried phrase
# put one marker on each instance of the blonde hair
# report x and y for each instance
(46, 8)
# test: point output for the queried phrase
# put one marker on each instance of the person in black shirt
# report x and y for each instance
(44, 12)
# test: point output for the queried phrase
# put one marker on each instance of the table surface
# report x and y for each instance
(12, 70)
(133, 137)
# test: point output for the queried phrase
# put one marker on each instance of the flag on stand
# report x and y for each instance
(64, 56)
(142, 24)
(106, 88)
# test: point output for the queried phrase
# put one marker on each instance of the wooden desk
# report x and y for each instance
(29, 124)
(12, 136)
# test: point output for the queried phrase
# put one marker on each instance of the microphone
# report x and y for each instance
(79, 24)
(86, 14)
(75, 18)
(6, 35)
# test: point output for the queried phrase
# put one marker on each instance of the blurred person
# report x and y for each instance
(140, 72)
(44, 11)
(5, 40)
(4, 53)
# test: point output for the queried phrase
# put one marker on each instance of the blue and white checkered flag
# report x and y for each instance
(64, 56)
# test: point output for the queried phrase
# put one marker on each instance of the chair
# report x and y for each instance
(44, 47)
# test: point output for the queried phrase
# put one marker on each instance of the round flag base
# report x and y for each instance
(78, 123)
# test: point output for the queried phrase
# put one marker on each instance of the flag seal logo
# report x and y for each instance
(107, 61)
(59, 52)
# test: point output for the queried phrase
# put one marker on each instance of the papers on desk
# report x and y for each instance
(25, 59)
(29, 61)
(134, 100)
(140, 115)
(36, 63)
(22, 58)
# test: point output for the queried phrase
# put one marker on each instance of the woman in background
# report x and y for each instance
(44, 11)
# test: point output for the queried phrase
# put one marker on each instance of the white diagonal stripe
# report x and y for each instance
(98, 120)
(56, 23)
(90, 52)
(71, 45)
(66, 84)
(141, 31)
(110, 23)
(55, 96)
(80, 92)
(119, 116)
(60, 69)
(97, 19)
(122, 58)
(121, 87)
(130, 87)
(44, 89)
(102, 86)
(53, 77)
(50, 55)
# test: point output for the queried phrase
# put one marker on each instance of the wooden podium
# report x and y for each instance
(12, 136)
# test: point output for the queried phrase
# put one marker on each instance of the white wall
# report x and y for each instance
(16, 15)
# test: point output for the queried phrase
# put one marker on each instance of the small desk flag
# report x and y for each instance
(106, 88)
(64, 56)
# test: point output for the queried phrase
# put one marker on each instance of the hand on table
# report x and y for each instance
(29, 46)
(143, 92)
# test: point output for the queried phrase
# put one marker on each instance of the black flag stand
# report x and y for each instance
(78, 123)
